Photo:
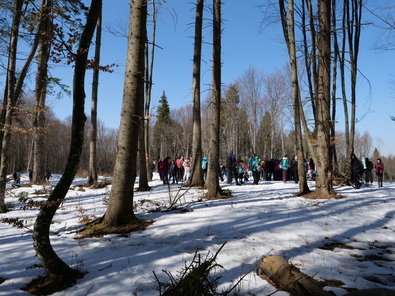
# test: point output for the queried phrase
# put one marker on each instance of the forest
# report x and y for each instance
(292, 111)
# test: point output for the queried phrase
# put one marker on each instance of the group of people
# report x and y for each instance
(285, 169)
(362, 169)
(17, 176)
(174, 171)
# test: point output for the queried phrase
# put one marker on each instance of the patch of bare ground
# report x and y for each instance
(314, 195)
(46, 286)
(334, 245)
(97, 229)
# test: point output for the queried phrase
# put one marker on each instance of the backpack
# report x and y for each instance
(258, 166)
(204, 165)
(280, 165)
(240, 169)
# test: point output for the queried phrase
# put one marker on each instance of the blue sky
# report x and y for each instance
(244, 44)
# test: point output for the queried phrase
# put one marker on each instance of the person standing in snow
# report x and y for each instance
(47, 175)
(311, 170)
(179, 169)
(241, 170)
(231, 166)
(17, 177)
(294, 169)
(355, 167)
(164, 170)
(152, 169)
(204, 168)
(284, 167)
(30, 176)
(379, 169)
(187, 169)
(368, 167)
(255, 170)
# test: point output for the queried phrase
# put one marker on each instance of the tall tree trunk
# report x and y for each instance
(352, 30)
(120, 204)
(149, 60)
(143, 164)
(289, 34)
(197, 173)
(334, 89)
(324, 186)
(310, 58)
(58, 270)
(12, 92)
(212, 183)
(45, 34)
(92, 176)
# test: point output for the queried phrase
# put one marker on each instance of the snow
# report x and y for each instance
(267, 219)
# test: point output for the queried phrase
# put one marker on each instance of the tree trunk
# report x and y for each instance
(12, 92)
(212, 183)
(92, 176)
(289, 34)
(120, 204)
(288, 278)
(143, 165)
(197, 173)
(334, 90)
(56, 269)
(45, 34)
(324, 186)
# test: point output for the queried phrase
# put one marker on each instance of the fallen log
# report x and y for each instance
(289, 278)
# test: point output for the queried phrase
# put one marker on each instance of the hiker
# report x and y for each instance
(17, 178)
(379, 169)
(47, 175)
(355, 167)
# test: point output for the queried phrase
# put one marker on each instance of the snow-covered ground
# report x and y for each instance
(350, 240)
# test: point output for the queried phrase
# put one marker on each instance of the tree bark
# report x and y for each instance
(288, 278)
(289, 34)
(120, 204)
(150, 57)
(45, 33)
(197, 173)
(11, 95)
(324, 186)
(92, 176)
(56, 269)
(212, 184)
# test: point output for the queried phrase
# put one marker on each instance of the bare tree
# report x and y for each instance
(92, 175)
(324, 186)
(12, 93)
(251, 94)
(351, 29)
(57, 270)
(278, 106)
(144, 140)
(120, 203)
(45, 38)
(288, 24)
(197, 174)
(212, 183)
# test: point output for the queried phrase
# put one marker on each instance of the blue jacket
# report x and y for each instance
(204, 163)
(254, 163)
(285, 163)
